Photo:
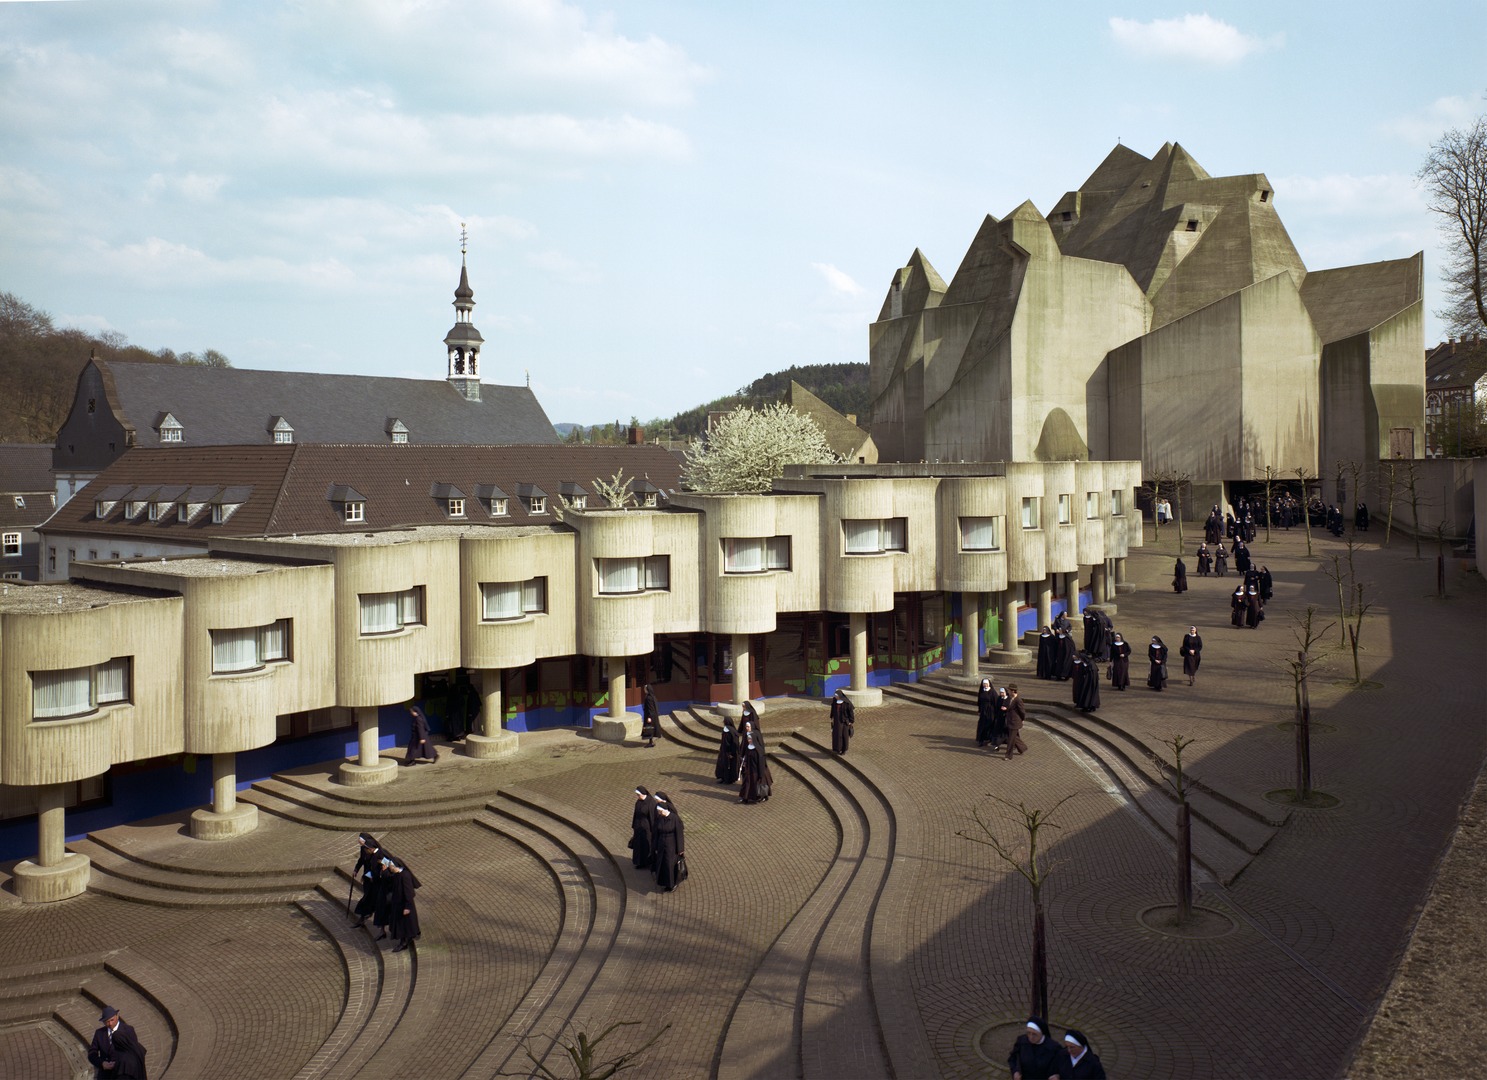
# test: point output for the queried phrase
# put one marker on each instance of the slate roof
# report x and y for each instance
(287, 489)
(1455, 364)
(26, 467)
(239, 406)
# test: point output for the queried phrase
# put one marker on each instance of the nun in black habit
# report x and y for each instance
(671, 847)
(726, 769)
(1034, 1056)
(1180, 577)
(1156, 655)
(650, 724)
(1205, 560)
(1086, 684)
(1045, 653)
(368, 870)
(1254, 607)
(1101, 650)
(1120, 663)
(758, 782)
(1192, 654)
(1267, 584)
(985, 712)
(1241, 556)
(1063, 655)
(843, 719)
(1079, 1062)
(1220, 560)
(1236, 606)
(403, 907)
(641, 829)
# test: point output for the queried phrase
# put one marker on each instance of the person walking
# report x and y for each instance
(640, 828)
(1192, 654)
(1086, 684)
(1016, 715)
(999, 707)
(1220, 561)
(758, 782)
(403, 907)
(843, 721)
(1045, 653)
(1237, 606)
(1120, 663)
(1034, 1056)
(1180, 577)
(368, 871)
(1156, 654)
(726, 767)
(1205, 560)
(986, 699)
(671, 847)
(419, 746)
(116, 1050)
(650, 724)
(1079, 1062)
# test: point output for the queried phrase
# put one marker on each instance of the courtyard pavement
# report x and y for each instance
(844, 928)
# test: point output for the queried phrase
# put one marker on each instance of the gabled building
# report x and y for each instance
(119, 406)
(1155, 313)
(1454, 373)
(26, 500)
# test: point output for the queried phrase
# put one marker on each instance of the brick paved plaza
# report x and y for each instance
(842, 929)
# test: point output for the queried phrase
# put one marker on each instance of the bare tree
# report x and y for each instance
(1454, 175)
(1355, 628)
(1271, 475)
(583, 1054)
(1178, 479)
(1337, 572)
(1412, 480)
(1442, 529)
(1355, 473)
(1388, 491)
(1178, 783)
(1308, 657)
(1031, 820)
(1306, 476)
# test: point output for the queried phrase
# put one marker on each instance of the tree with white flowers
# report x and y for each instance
(747, 448)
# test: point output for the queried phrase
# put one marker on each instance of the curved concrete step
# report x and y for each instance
(336, 804)
(395, 798)
(152, 874)
(301, 812)
(133, 854)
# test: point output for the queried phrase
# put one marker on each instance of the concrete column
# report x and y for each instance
(369, 767)
(1097, 583)
(491, 741)
(1071, 591)
(619, 725)
(740, 645)
(859, 693)
(1045, 602)
(56, 873)
(970, 635)
(1121, 585)
(227, 817)
(1010, 603)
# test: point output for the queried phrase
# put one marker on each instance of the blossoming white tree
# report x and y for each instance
(748, 448)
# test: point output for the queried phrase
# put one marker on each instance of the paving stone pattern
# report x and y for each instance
(844, 928)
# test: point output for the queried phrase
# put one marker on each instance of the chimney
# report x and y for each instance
(636, 435)
(852, 418)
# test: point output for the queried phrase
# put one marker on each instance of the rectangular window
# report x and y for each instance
(1066, 509)
(1032, 513)
(1117, 503)
(10, 575)
(356, 511)
(155, 511)
(249, 648)
(56, 695)
(283, 436)
(273, 641)
(743, 556)
(400, 437)
(619, 576)
(1091, 505)
(534, 596)
(498, 508)
(537, 505)
(980, 534)
(864, 536)
(502, 600)
(51, 560)
(456, 507)
(219, 513)
(896, 534)
(11, 544)
(170, 434)
(387, 613)
(777, 553)
(20, 502)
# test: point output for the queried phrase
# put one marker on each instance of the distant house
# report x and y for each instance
(26, 500)
(847, 440)
(118, 406)
(1453, 372)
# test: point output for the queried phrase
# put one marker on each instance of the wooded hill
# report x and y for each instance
(40, 362)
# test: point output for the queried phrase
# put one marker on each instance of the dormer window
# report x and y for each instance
(135, 507)
(354, 510)
(351, 503)
(537, 504)
(281, 431)
(532, 497)
(170, 429)
(183, 513)
(648, 499)
(20, 502)
(1192, 224)
(492, 498)
(397, 431)
(574, 496)
(451, 497)
(456, 508)
(498, 508)
(154, 513)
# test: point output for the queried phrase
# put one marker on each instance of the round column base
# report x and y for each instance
(490, 747)
(861, 699)
(1008, 658)
(37, 884)
(617, 729)
(210, 825)
(353, 774)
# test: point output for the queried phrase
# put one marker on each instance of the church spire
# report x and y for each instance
(462, 343)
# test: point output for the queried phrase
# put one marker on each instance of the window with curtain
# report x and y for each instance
(111, 681)
(273, 641)
(410, 607)
(1031, 514)
(743, 555)
(980, 534)
(658, 572)
(863, 536)
(777, 553)
(501, 600)
(619, 575)
(534, 596)
(59, 694)
(235, 650)
(896, 534)
(379, 613)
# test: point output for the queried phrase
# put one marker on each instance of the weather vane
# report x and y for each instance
(463, 237)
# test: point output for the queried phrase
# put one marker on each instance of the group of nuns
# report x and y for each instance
(1035, 1056)
(742, 759)
(1156, 657)
(657, 839)
(1058, 658)
(387, 888)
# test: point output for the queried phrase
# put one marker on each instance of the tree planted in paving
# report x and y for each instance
(1032, 821)
(582, 1053)
(1309, 656)
(1177, 781)
(1306, 476)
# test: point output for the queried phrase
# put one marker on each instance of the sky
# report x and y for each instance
(664, 199)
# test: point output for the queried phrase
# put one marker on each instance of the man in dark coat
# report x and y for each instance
(1016, 715)
(1192, 654)
(420, 747)
(368, 871)
(843, 717)
(116, 1051)
(650, 724)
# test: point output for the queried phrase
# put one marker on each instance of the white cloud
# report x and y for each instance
(1199, 38)
(1424, 125)
(163, 263)
(839, 281)
(193, 186)
(560, 266)
(1387, 195)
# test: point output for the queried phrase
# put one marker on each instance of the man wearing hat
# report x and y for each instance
(1079, 1061)
(115, 1050)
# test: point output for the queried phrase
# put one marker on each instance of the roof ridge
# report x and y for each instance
(273, 513)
